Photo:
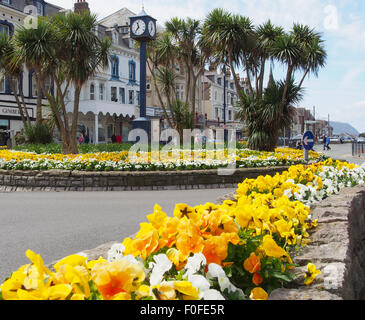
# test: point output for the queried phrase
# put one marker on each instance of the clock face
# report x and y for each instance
(151, 29)
(138, 27)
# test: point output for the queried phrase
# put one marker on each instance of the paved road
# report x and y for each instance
(58, 224)
(342, 152)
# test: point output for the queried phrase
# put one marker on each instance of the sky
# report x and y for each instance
(339, 90)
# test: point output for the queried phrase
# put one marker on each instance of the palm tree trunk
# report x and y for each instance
(19, 104)
(248, 76)
(25, 106)
(301, 81)
(188, 84)
(39, 117)
(237, 83)
(159, 95)
(288, 78)
(261, 78)
(75, 116)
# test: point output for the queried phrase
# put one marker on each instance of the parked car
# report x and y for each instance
(335, 140)
(360, 139)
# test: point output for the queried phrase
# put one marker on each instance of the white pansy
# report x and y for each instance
(199, 282)
(212, 295)
(161, 265)
(116, 252)
(195, 263)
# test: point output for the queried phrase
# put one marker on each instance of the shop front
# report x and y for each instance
(103, 120)
(11, 123)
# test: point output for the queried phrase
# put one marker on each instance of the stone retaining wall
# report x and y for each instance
(337, 248)
(60, 180)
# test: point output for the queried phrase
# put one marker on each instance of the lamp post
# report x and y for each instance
(143, 30)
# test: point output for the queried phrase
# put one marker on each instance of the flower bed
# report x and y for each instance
(239, 250)
(152, 161)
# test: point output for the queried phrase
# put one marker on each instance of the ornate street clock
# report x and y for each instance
(143, 30)
(143, 27)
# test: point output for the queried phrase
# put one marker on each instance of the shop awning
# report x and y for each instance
(105, 107)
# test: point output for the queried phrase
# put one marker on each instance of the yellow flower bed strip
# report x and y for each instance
(239, 250)
(152, 161)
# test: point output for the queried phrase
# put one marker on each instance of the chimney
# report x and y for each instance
(81, 5)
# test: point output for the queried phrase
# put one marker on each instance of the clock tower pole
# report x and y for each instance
(143, 30)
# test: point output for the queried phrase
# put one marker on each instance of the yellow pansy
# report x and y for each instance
(187, 289)
(311, 274)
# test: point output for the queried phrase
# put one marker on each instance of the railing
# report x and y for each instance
(358, 149)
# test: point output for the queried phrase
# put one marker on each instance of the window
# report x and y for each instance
(4, 29)
(131, 97)
(15, 81)
(115, 36)
(6, 1)
(101, 91)
(220, 81)
(122, 95)
(180, 92)
(138, 98)
(2, 84)
(215, 95)
(114, 94)
(230, 115)
(115, 67)
(132, 71)
(216, 113)
(39, 6)
(92, 92)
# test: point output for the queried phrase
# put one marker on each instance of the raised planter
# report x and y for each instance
(337, 248)
(60, 180)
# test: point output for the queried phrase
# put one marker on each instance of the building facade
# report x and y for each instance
(110, 100)
(12, 16)
(213, 101)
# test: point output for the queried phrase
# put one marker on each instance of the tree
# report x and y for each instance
(243, 46)
(265, 117)
(232, 37)
(69, 65)
(192, 51)
(162, 56)
(12, 73)
(34, 47)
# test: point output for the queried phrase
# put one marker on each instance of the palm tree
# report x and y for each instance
(161, 56)
(266, 117)
(187, 34)
(231, 35)
(34, 48)
(79, 57)
(12, 73)
(82, 55)
(265, 35)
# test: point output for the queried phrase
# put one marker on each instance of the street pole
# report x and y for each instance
(314, 125)
(224, 104)
(143, 122)
(224, 95)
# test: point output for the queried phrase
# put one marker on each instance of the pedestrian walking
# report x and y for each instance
(328, 142)
(324, 140)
